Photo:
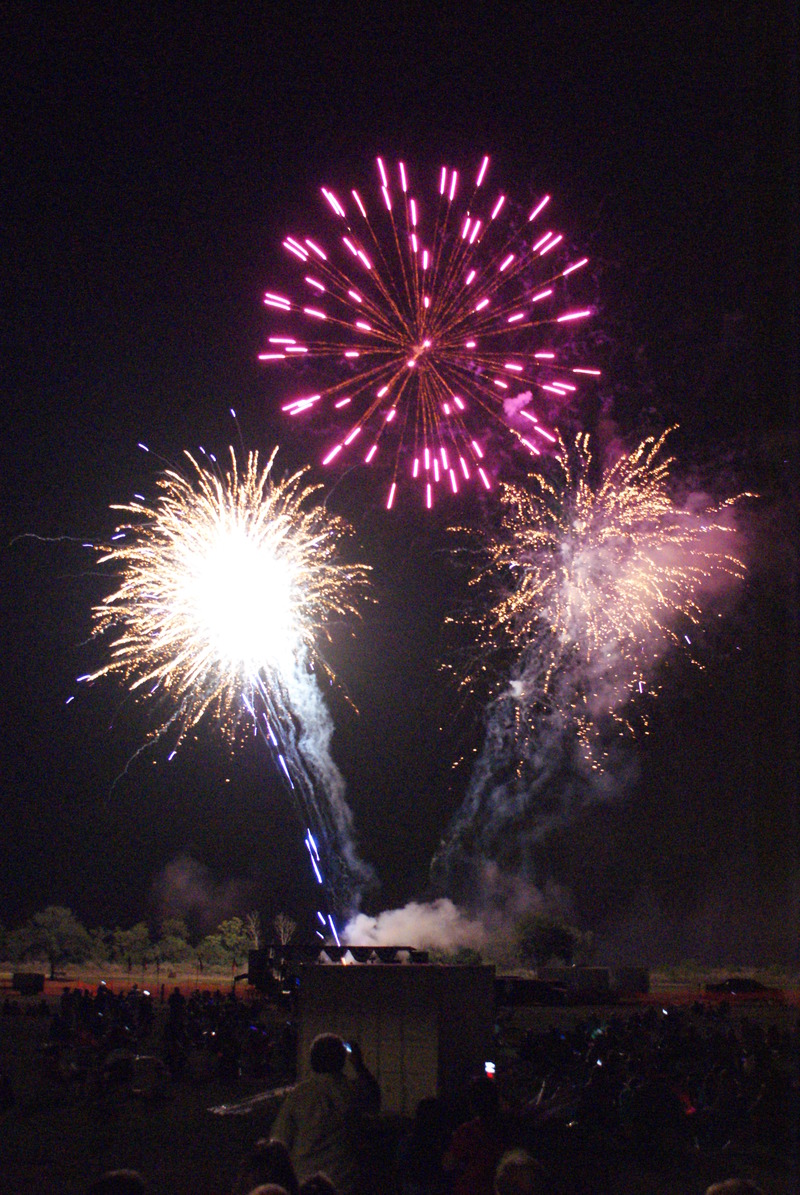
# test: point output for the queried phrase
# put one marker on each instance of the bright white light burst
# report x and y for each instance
(227, 583)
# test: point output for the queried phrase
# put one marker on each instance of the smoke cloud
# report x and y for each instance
(436, 925)
(319, 788)
(513, 404)
(605, 580)
(185, 888)
(496, 902)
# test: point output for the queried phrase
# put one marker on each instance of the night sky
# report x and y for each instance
(152, 166)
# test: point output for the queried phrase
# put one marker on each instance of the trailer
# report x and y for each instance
(423, 1029)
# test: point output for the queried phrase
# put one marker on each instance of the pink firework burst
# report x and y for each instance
(419, 315)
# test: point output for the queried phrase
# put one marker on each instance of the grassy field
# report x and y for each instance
(58, 1136)
(682, 979)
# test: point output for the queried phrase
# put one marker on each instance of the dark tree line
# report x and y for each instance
(55, 936)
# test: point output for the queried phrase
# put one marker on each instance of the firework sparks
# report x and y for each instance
(594, 583)
(226, 584)
(431, 312)
(601, 571)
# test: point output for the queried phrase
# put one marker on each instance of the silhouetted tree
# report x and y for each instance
(284, 928)
(133, 945)
(253, 926)
(235, 938)
(54, 934)
(173, 946)
(101, 944)
(541, 937)
(211, 951)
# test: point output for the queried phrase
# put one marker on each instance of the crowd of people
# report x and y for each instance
(319, 1140)
(662, 1080)
(651, 1087)
(101, 1037)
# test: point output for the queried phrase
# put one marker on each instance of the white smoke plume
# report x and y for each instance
(595, 582)
(185, 888)
(437, 925)
(319, 787)
(487, 924)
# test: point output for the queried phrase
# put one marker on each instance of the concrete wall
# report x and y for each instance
(423, 1030)
(577, 979)
(623, 981)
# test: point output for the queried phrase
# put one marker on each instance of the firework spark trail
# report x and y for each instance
(431, 313)
(226, 583)
(594, 584)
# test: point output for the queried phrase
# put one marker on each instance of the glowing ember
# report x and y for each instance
(423, 304)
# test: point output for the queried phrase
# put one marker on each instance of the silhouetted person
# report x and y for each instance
(419, 1155)
(119, 1182)
(267, 1162)
(476, 1146)
(520, 1174)
(320, 1121)
(734, 1186)
(7, 1097)
(318, 1184)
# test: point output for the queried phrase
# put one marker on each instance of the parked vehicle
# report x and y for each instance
(741, 990)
